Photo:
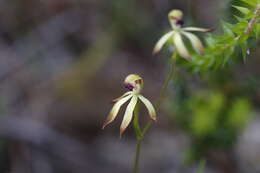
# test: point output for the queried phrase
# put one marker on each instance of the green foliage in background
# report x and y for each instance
(234, 42)
(205, 108)
(213, 120)
(215, 115)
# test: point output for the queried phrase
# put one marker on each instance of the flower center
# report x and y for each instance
(129, 86)
(179, 22)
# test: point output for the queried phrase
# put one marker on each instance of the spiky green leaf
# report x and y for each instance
(243, 10)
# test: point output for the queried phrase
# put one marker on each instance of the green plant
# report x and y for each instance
(221, 49)
(208, 109)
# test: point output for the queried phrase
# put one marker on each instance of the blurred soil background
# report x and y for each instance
(63, 61)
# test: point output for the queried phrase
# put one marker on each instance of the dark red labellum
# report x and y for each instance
(180, 22)
(129, 86)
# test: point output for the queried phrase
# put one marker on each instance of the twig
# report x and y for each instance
(253, 20)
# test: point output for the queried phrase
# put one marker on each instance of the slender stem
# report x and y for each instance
(201, 167)
(139, 136)
(192, 10)
(163, 91)
(137, 128)
(137, 155)
(167, 81)
(139, 133)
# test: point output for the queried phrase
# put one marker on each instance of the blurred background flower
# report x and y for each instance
(60, 60)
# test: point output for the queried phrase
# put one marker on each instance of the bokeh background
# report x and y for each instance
(63, 61)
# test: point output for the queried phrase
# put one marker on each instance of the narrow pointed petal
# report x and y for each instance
(162, 41)
(149, 107)
(195, 41)
(179, 45)
(115, 109)
(124, 95)
(197, 29)
(128, 114)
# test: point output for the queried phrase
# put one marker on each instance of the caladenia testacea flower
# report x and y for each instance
(134, 83)
(175, 35)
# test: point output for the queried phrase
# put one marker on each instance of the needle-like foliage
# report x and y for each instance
(221, 49)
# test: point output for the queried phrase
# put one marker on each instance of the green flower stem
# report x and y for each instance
(192, 10)
(201, 167)
(137, 155)
(139, 137)
(140, 133)
(163, 90)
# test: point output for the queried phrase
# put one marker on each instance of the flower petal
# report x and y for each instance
(197, 29)
(128, 114)
(124, 95)
(162, 41)
(181, 49)
(149, 107)
(114, 111)
(195, 41)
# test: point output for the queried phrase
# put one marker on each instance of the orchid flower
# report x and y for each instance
(134, 83)
(175, 35)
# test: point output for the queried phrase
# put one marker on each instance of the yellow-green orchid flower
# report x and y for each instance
(134, 83)
(175, 19)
